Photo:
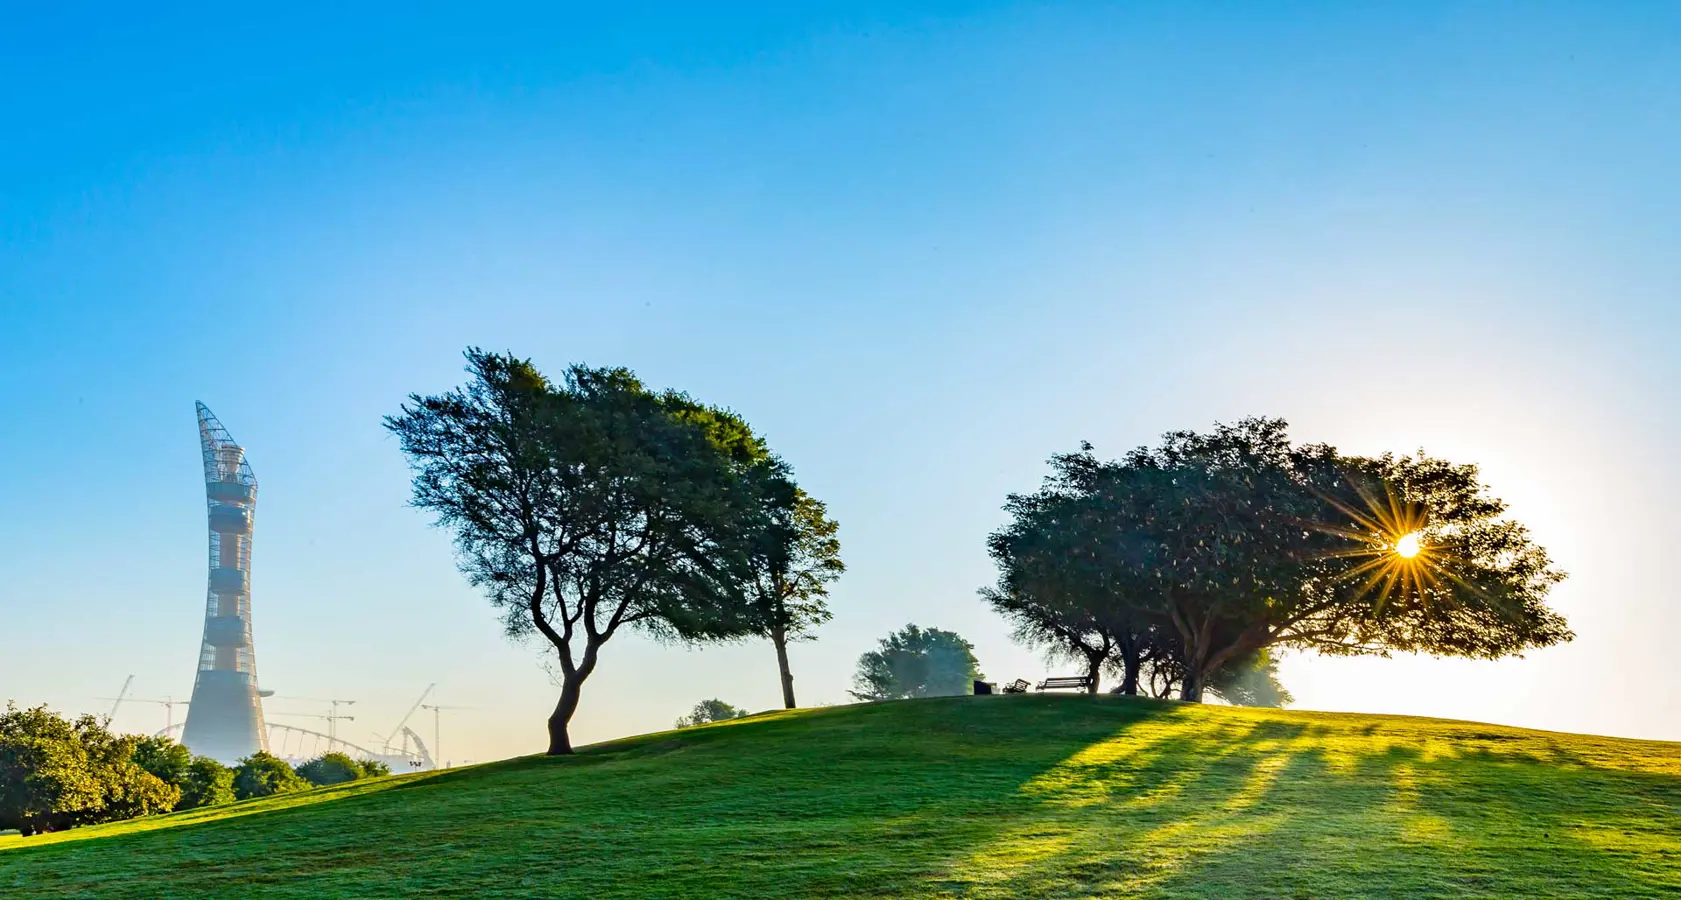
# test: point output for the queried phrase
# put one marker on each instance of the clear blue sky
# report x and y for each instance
(920, 248)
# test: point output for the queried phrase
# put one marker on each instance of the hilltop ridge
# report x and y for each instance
(1044, 796)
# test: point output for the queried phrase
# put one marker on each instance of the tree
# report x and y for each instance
(373, 768)
(263, 775)
(1235, 541)
(56, 773)
(710, 711)
(591, 506)
(331, 768)
(206, 783)
(1062, 597)
(917, 662)
(201, 781)
(164, 758)
(792, 584)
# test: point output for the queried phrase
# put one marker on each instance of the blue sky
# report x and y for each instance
(920, 247)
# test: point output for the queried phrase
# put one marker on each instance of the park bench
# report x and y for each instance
(1019, 686)
(1069, 683)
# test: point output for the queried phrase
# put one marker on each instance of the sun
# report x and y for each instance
(1409, 545)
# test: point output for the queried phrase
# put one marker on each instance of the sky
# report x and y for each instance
(921, 247)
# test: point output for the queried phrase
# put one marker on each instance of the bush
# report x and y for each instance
(330, 768)
(262, 775)
(56, 773)
(710, 711)
(201, 780)
(206, 783)
(373, 768)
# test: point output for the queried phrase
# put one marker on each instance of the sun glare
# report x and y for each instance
(1408, 546)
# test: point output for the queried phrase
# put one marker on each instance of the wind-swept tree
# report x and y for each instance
(592, 505)
(917, 662)
(800, 560)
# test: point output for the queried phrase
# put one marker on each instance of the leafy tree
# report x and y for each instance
(202, 781)
(262, 775)
(373, 768)
(1235, 541)
(792, 586)
(331, 768)
(164, 758)
(917, 662)
(56, 773)
(711, 711)
(206, 783)
(1058, 590)
(593, 505)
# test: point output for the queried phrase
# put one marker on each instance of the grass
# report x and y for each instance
(1036, 796)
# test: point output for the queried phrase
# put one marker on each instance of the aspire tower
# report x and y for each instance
(225, 718)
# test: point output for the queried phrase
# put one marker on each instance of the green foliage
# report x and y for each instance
(331, 768)
(164, 758)
(263, 775)
(917, 662)
(592, 505)
(201, 781)
(710, 711)
(373, 768)
(1213, 547)
(984, 797)
(206, 783)
(56, 773)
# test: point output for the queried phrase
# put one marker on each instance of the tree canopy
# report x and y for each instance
(1213, 547)
(263, 774)
(801, 559)
(57, 773)
(594, 505)
(917, 662)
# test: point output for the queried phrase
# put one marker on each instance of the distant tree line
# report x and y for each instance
(58, 773)
(1179, 568)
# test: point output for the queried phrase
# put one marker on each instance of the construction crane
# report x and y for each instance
(120, 695)
(399, 729)
(168, 704)
(436, 754)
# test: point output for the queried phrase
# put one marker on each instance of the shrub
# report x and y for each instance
(262, 774)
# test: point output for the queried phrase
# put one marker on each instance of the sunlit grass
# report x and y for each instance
(974, 797)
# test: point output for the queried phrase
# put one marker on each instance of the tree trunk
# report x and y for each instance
(1190, 689)
(571, 690)
(1129, 671)
(779, 637)
(1094, 669)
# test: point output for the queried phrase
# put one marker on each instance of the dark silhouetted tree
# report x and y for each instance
(1235, 541)
(917, 662)
(591, 506)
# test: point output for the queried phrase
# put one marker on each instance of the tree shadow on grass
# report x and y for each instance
(1191, 808)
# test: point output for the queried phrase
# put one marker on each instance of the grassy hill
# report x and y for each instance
(1033, 796)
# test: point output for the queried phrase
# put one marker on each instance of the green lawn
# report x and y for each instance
(1033, 796)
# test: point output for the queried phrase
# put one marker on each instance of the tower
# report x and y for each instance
(225, 718)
